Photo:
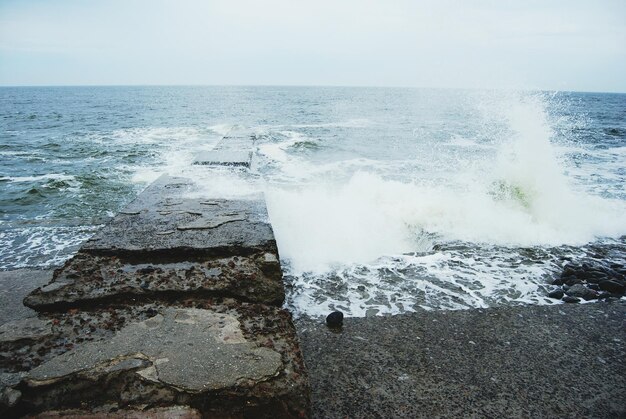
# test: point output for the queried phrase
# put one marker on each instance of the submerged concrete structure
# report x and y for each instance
(233, 150)
(172, 308)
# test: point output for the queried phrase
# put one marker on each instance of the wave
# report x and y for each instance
(517, 196)
(224, 129)
(350, 123)
(41, 247)
(49, 176)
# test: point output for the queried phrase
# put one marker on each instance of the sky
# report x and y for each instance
(546, 44)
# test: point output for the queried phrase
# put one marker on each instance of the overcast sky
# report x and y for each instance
(544, 44)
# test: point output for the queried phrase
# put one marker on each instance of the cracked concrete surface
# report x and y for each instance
(190, 349)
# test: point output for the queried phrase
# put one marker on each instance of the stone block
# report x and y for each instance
(163, 245)
(224, 359)
(175, 412)
(161, 222)
(234, 158)
(87, 279)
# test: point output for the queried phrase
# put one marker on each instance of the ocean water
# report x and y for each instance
(382, 200)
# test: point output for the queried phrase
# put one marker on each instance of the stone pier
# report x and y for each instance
(232, 150)
(173, 309)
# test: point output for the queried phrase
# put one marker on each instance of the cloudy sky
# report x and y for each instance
(543, 44)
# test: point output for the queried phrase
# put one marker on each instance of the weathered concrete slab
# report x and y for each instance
(225, 359)
(162, 245)
(161, 222)
(514, 362)
(236, 158)
(188, 349)
(87, 279)
(236, 140)
(14, 286)
(234, 149)
(174, 412)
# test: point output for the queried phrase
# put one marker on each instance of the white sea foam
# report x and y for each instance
(435, 280)
(223, 129)
(333, 223)
(522, 198)
(350, 123)
(41, 246)
(174, 149)
(49, 176)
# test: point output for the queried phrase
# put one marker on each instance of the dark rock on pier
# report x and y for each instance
(334, 319)
(557, 294)
(612, 286)
(570, 299)
(581, 291)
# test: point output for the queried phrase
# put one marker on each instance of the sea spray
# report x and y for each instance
(505, 193)
(517, 196)
(383, 200)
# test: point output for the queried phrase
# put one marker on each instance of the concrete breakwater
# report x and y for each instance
(172, 309)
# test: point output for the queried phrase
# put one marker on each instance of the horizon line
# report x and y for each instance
(308, 86)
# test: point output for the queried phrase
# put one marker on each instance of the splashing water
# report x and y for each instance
(382, 200)
(509, 193)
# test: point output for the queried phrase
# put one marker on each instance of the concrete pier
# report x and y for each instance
(163, 245)
(233, 150)
(172, 308)
(559, 361)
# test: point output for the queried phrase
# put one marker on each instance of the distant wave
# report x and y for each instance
(50, 176)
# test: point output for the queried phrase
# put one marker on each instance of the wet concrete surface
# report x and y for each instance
(168, 244)
(14, 286)
(87, 280)
(175, 302)
(223, 357)
(530, 361)
(163, 222)
(191, 349)
(224, 158)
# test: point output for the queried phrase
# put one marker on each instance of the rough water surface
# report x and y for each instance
(382, 200)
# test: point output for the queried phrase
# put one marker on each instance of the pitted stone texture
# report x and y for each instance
(163, 244)
(88, 278)
(175, 412)
(224, 158)
(138, 355)
(30, 328)
(162, 222)
(189, 349)
(9, 395)
(14, 286)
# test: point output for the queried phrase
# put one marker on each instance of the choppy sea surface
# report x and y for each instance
(382, 200)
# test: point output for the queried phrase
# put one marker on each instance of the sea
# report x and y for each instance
(382, 200)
